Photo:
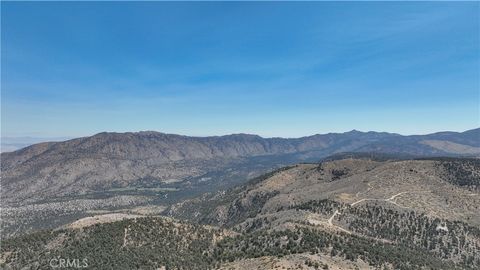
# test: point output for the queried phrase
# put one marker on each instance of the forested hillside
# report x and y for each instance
(350, 213)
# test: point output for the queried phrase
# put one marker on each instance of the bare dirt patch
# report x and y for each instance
(99, 219)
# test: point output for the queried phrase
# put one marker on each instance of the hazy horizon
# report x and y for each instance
(226, 134)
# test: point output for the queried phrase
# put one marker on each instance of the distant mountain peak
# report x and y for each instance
(243, 135)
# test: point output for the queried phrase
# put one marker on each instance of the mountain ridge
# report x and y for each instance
(117, 160)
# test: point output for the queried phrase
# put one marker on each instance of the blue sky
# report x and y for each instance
(274, 69)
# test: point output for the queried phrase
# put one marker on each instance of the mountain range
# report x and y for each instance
(354, 200)
(109, 162)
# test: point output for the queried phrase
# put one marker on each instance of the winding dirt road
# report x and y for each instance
(337, 212)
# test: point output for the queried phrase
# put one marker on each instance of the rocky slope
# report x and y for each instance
(428, 205)
(444, 187)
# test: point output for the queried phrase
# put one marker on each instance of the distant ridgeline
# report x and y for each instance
(112, 160)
